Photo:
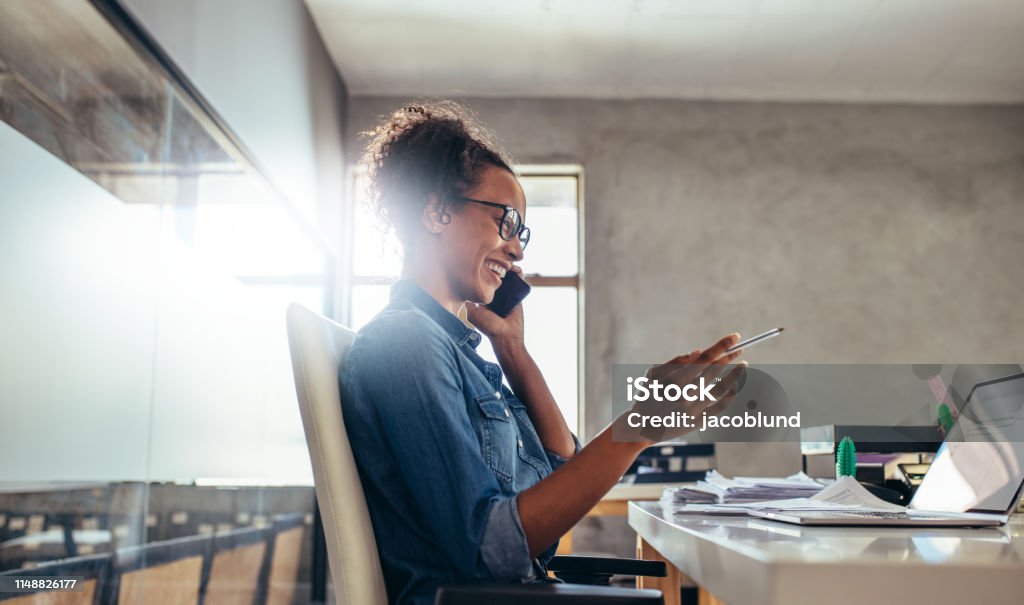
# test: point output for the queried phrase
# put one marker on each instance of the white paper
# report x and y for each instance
(845, 494)
(799, 480)
(738, 492)
(752, 489)
(709, 509)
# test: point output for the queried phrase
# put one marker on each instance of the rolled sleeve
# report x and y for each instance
(556, 461)
(503, 548)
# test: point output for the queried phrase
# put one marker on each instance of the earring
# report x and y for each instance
(445, 218)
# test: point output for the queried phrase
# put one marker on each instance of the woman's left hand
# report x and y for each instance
(502, 331)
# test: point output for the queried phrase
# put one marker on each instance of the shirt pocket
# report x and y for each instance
(532, 447)
(499, 436)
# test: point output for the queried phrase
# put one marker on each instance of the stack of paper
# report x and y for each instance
(844, 494)
(689, 495)
(716, 488)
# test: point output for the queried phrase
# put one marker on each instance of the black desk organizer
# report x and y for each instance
(822, 441)
(669, 463)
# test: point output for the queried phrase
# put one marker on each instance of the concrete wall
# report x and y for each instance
(874, 234)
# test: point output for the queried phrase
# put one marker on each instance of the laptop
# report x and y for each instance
(975, 479)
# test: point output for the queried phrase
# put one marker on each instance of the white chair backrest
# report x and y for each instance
(318, 346)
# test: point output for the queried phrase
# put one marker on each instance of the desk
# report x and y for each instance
(746, 561)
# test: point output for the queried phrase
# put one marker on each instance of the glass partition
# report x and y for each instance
(147, 410)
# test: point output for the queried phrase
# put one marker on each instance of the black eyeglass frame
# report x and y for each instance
(520, 232)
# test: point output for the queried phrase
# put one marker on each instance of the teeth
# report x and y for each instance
(497, 269)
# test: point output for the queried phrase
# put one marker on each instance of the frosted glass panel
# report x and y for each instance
(255, 239)
(122, 344)
(79, 313)
(367, 301)
(222, 379)
(132, 349)
(146, 389)
(376, 250)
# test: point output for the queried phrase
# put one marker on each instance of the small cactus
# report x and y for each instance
(846, 459)
(945, 418)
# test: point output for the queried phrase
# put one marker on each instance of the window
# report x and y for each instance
(551, 265)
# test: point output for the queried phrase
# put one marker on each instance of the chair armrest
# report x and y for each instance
(607, 566)
(544, 594)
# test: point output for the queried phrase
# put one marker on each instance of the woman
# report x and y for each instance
(465, 479)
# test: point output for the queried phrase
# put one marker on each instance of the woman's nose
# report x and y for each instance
(514, 249)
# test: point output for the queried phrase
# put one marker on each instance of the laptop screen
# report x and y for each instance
(980, 465)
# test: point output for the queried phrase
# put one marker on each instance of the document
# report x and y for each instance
(843, 495)
(847, 492)
(706, 509)
(716, 488)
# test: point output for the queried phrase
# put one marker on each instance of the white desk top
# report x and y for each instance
(746, 561)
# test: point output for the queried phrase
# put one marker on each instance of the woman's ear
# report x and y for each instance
(435, 216)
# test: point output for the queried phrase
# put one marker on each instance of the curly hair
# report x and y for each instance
(424, 148)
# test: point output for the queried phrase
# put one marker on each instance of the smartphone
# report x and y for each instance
(510, 293)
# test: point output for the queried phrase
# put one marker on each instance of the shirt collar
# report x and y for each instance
(408, 290)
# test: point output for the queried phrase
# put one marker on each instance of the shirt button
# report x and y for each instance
(520, 443)
(506, 413)
(497, 394)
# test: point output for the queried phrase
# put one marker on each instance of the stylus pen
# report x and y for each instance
(753, 341)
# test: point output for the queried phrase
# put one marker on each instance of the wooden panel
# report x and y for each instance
(706, 598)
(616, 508)
(565, 544)
(58, 598)
(235, 575)
(543, 281)
(284, 569)
(174, 583)
(670, 584)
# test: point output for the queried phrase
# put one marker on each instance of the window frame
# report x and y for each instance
(577, 281)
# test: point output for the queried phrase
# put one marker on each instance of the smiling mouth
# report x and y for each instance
(496, 269)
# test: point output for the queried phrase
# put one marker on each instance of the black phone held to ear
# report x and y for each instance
(510, 293)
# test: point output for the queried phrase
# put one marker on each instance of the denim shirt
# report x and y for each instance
(442, 448)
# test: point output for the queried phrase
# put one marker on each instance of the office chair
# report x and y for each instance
(318, 346)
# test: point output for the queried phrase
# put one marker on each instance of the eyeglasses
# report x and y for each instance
(511, 222)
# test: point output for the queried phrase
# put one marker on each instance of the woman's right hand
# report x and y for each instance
(554, 505)
(688, 369)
